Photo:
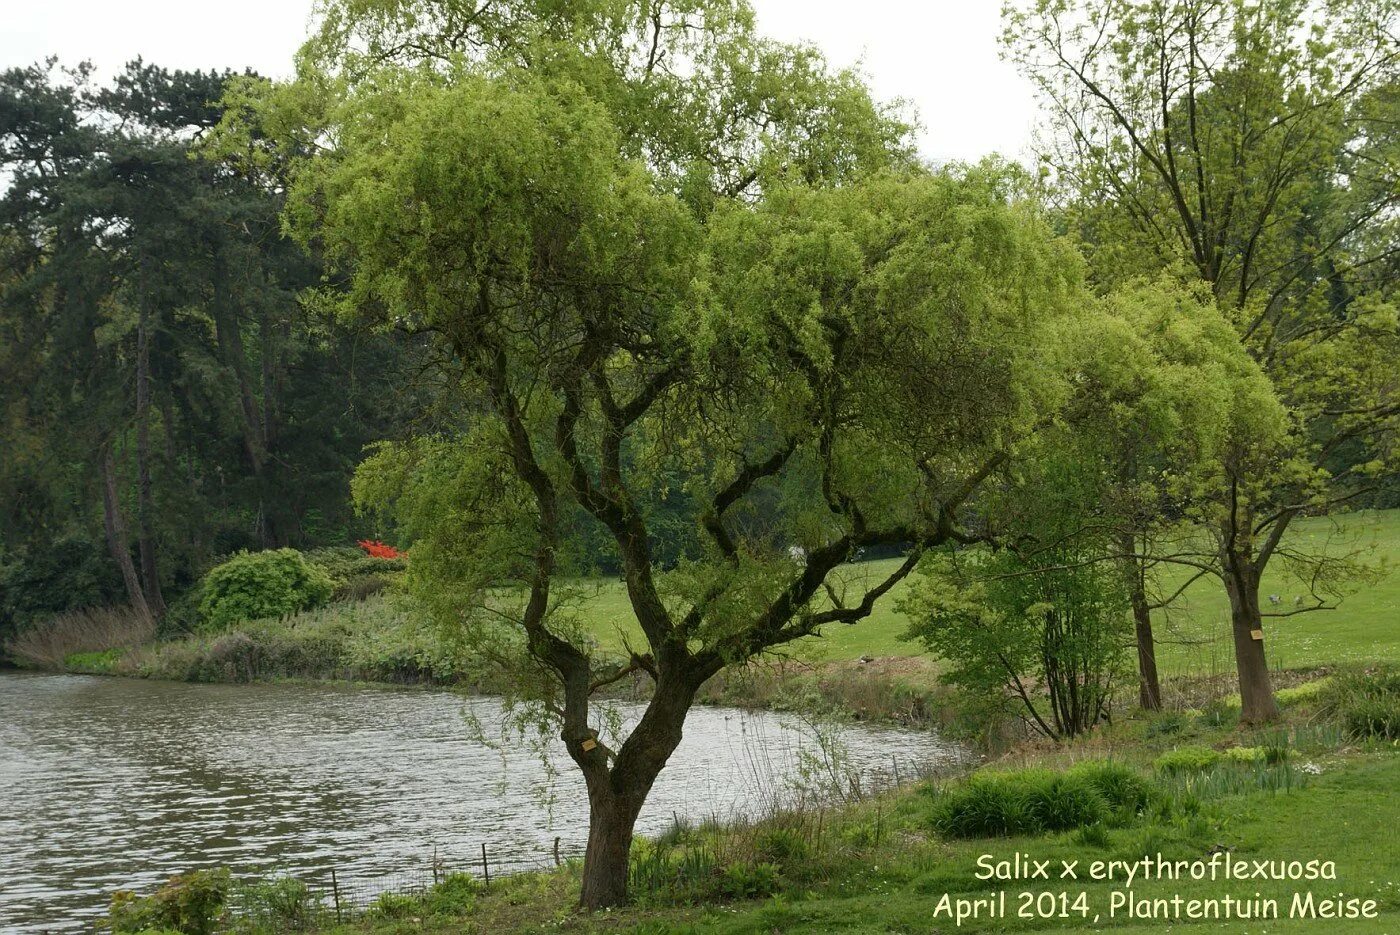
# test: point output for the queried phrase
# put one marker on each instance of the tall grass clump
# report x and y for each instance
(1366, 704)
(48, 644)
(1030, 801)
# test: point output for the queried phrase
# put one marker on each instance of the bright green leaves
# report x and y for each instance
(446, 201)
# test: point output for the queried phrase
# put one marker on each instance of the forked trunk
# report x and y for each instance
(1257, 703)
(1149, 688)
(616, 794)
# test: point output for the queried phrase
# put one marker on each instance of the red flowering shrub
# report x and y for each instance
(377, 549)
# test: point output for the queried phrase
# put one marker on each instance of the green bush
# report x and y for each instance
(983, 807)
(1367, 704)
(1036, 800)
(1248, 755)
(749, 881)
(253, 585)
(1307, 693)
(1187, 760)
(395, 906)
(284, 904)
(191, 903)
(781, 846)
(1122, 787)
(1061, 801)
(454, 895)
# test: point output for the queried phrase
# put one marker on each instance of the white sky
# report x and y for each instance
(941, 55)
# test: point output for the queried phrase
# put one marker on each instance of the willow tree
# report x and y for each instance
(1246, 146)
(864, 354)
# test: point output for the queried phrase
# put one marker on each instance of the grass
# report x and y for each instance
(1194, 634)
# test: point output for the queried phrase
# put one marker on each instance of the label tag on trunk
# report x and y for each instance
(590, 743)
(1257, 634)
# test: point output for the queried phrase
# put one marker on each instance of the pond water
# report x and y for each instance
(110, 784)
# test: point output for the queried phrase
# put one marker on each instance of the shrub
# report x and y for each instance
(749, 881)
(252, 585)
(1248, 755)
(1187, 760)
(780, 846)
(1003, 623)
(279, 905)
(1307, 693)
(39, 582)
(395, 906)
(191, 903)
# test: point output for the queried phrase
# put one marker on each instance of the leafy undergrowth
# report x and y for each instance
(1318, 786)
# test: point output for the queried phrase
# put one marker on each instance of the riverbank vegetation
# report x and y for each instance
(1183, 785)
(552, 295)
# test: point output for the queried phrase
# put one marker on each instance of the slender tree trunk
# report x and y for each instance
(115, 525)
(145, 509)
(1257, 702)
(1149, 686)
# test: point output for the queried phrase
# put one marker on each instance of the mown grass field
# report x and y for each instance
(1194, 635)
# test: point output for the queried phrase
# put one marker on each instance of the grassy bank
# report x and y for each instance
(1187, 787)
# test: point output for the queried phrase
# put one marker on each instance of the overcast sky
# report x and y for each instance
(941, 55)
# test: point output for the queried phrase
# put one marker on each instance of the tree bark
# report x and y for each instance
(115, 526)
(616, 795)
(1149, 686)
(145, 508)
(611, 819)
(1257, 704)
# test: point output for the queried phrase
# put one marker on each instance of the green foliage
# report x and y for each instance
(1004, 625)
(191, 903)
(1035, 801)
(282, 904)
(1124, 789)
(1187, 759)
(455, 894)
(984, 806)
(48, 577)
(1366, 703)
(1307, 693)
(395, 906)
(1061, 801)
(254, 585)
(750, 881)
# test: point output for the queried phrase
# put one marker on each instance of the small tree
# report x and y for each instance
(1048, 634)
(864, 355)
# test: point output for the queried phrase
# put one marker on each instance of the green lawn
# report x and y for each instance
(1347, 815)
(1194, 635)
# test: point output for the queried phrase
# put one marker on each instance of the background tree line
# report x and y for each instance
(167, 397)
